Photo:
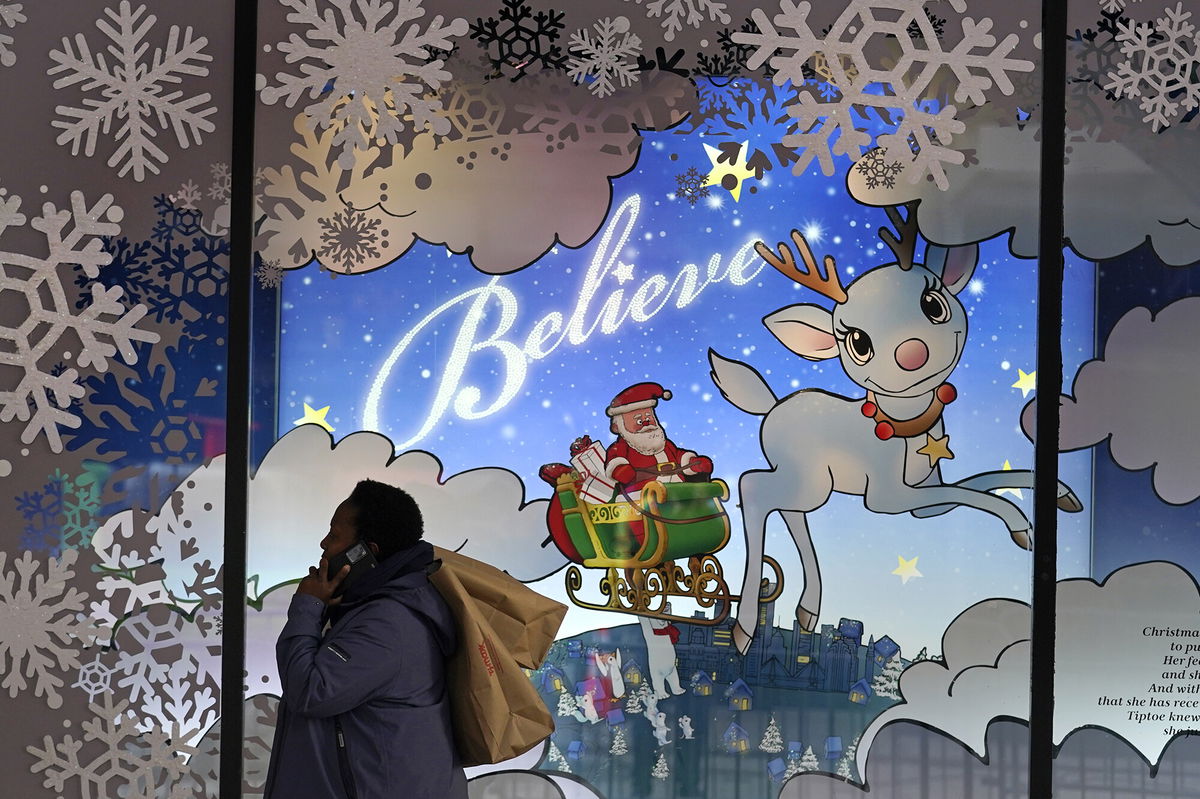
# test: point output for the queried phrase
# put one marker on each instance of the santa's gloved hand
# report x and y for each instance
(624, 473)
(701, 464)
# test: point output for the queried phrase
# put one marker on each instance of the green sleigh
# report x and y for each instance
(678, 520)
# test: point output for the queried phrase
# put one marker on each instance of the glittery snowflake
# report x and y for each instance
(676, 13)
(365, 65)
(1161, 66)
(603, 60)
(690, 185)
(517, 38)
(877, 169)
(269, 274)
(41, 630)
(11, 17)
(115, 757)
(130, 93)
(43, 395)
(348, 238)
(977, 62)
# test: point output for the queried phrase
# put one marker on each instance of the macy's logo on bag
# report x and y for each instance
(487, 654)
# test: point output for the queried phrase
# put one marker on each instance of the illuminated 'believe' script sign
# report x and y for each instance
(553, 329)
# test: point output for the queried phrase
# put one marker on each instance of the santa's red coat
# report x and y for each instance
(620, 452)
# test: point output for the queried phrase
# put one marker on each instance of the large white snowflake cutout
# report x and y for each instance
(897, 88)
(10, 16)
(132, 92)
(1161, 66)
(363, 71)
(603, 59)
(115, 757)
(676, 12)
(41, 628)
(45, 314)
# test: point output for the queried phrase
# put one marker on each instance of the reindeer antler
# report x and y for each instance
(905, 246)
(828, 284)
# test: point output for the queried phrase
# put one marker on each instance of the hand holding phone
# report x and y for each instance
(360, 560)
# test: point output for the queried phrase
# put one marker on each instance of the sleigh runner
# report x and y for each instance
(638, 542)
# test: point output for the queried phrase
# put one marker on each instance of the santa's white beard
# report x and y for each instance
(646, 442)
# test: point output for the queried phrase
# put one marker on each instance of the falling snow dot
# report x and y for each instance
(545, 403)
(5, 468)
(367, 337)
(1005, 365)
(307, 281)
(426, 373)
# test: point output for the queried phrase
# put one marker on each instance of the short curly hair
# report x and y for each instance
(386, 516)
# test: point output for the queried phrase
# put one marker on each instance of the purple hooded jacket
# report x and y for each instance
(365, 713)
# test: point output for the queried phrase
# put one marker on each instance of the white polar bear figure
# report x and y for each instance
(661, 731)
(660, 656)
(587, 704)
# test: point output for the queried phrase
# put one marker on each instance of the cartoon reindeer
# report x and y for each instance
(899, 331)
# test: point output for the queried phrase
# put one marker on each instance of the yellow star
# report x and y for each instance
(314, 416)
(906, 570)
(937, 449)
(728, 176)
(1016, 492)
(1026, 381)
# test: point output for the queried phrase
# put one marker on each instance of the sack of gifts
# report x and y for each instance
(503, 626)
(587, 457)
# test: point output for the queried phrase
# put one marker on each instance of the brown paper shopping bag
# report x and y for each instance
(496, 711)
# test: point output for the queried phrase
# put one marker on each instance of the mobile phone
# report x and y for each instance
(360, 559)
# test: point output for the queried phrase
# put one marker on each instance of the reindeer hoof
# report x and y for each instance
(1068, 502)
(741, 639)
(806, 619)
(1021, 538)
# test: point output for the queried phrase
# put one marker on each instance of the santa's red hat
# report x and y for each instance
(636, 397)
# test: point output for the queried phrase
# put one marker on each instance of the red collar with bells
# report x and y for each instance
(886, 427)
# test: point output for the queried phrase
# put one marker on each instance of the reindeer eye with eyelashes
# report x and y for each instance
(858, 345)
(935, 307)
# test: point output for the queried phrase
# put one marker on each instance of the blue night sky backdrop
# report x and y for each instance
(337, 333)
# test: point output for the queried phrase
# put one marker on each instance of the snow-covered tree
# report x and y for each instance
(772, 740)
(793, 768)
(633, 705)
(620, 746)
(567, 705)
(922, 655)
(887, 682)
(660, 771)
(845, 765)
(556, 760)
(808, 761)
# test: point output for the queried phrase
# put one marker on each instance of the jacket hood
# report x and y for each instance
(403, 577)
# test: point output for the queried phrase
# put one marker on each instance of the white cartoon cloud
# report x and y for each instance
(1106, 652)
(1139, 395)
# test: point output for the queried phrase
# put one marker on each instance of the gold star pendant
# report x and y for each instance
(937, 449)
(906, 570)
(728, 176)
(314, 416)
(1026, 381)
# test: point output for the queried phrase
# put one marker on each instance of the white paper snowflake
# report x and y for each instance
(363, 71)
(43, 395)
(1161, 66)
(114, 757)
(94, 678)
(677, 12)
(896, 88)
(131, 93)
(180, 704)
(222, 181)
(604, 58)
(1114, 6)
(149, 645)
(11, 17)
(269, 274)
(41, 631)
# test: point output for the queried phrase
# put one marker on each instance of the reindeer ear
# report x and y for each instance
(805, 329)
(954, 265)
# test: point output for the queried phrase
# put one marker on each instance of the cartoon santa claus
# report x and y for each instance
(643, 452)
